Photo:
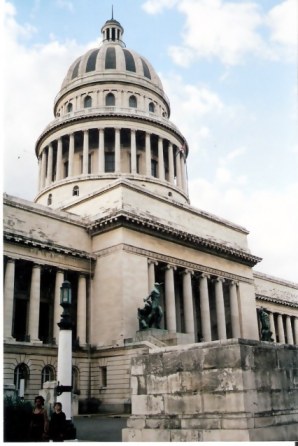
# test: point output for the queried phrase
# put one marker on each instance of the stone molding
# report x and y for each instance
(273, 279)
(130, 220)
(276, 300)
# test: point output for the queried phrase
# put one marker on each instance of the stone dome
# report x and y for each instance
(112, 61)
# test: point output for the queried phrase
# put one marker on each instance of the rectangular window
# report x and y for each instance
(109, 162)
(103, 376)
(154, 168)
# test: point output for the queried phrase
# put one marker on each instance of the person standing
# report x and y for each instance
(39, 425)
(57, 423)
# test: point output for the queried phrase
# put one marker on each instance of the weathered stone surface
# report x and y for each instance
(201, 423)
(265, 358)
(218, 358)
(156, 435)
(157, 384)
(225, 435)
(136, 423)
(130, 435)
(147, 405)
(185, 435)
(184, 404)
(142, 387)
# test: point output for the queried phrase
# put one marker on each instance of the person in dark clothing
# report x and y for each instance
(57, 423)
(39, 424)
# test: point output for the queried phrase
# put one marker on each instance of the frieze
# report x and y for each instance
(157, 257)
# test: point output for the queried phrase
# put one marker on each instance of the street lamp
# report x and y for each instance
(64, 374)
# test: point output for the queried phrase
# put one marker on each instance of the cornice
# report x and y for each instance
(276, 300)
(155, 228)
(59, 249)
(276, 280)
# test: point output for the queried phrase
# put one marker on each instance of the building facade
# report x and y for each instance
(112, 215)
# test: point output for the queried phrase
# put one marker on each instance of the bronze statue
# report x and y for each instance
(266, 334)
(151, 315)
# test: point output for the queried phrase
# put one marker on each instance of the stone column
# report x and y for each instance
(289, 330)
(117, 151)
(82, 310)
(8, 298)
(50, 165)
(133, 152)
(161, 165)
(170, 299)
(220, 309)
(148, 154)
(183, 173)
(188, 303)
(59, 160)
(171, 164)
(178, 169)
(101, 151)
(57, 308)
(280, 328)
(151, 274)
(34, 306)
(85, 152)
(205, 308)
(43, 169)
(71, 155)
(296, 330)
(235, 320)
(272, 326)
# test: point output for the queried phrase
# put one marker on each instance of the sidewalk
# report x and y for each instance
(104, 428)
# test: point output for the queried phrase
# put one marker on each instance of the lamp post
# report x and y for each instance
(64, 374)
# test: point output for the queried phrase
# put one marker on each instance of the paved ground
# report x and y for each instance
(100, 427)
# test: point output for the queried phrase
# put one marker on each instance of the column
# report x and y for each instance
(183, 173)
(296, 330)
(280, 328)
(57, 308)
(161, 166)
(59, 160)
(188, 303)
(43, 169)
(171, 163)
(205, 308)
(170, 298)
(117, 151)
(148, 154)
(220, 309)
(34, 303)
(50, 165)
(133, 152)
(71, 155)
(178, 169)
(82, 310)
(85, 152)
(289, 330)
(272, 326)
(235, 320)
(8, 298)
(151, 274)
(101, 151)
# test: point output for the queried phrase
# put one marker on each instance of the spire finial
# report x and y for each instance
(112, 12)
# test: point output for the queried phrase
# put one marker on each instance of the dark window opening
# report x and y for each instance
(91, 62)
(76, 191)
(109, 162)
(146, 69)
(129, 61)
(76, 70)
(133, 101)
(151, 107)
(87, 101)
(69, 107)
(110, 100)
(154, 168)
(110, 61)
(50, 198)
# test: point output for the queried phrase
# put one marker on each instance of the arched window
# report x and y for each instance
(133, 101)
(47, 374)
(87, 101)
(50, 199)
(76, 191)
(69, 107)
(110, 99)
(151, 107)
(75, 380)
(21, 377)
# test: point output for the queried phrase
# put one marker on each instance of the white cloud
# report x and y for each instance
(156, 6)
(65, 4)
(32, 77)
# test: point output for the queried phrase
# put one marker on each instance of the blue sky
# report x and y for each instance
(229, 70)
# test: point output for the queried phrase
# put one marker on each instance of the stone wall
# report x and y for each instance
(234, 390)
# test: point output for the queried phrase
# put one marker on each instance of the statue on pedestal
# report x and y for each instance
(151, 315)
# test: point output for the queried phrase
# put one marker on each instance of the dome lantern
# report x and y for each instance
(112, 31)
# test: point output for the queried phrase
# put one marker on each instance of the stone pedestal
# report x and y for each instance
(232, 390)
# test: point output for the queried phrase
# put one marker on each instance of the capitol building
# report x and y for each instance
(112, 215)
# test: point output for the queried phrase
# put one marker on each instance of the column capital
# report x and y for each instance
(173, 267)
(204, 276)
(188, 271)
(150, 261)
(234, 282)
(219, 279)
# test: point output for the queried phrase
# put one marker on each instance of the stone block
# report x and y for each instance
(157, 384)
(263, 379)
(265, 358)
(221, 380)
(286, 357)
(235, 402)
(147, 405)
(237, 423)
(282, 400)
(248, 377)
(142, 385)
(222, 357)
(247, 357)
(226, 435)
(287, 432)
(201, 423)
(134, 385)
(214, 402)
(130, 435)
(136, 423)
(156, 435)
(174, 382)
(137, 366)
(184, 404)
(154, 364)
(263, 421)
(264, 403)
(178, 435)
